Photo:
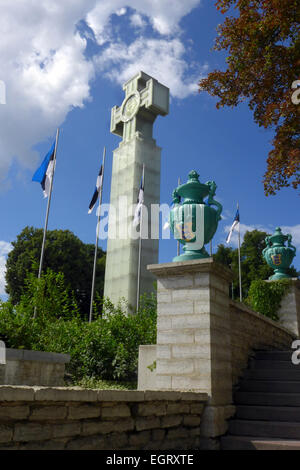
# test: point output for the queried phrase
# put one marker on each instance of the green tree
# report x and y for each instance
(65, 253)
(224, 255)
(253, 265)
(263, 43)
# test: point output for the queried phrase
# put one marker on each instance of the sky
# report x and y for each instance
(63, 64)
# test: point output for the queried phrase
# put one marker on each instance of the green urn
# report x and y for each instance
(194, 222)
(277, 255)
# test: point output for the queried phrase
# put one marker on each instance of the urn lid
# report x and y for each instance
(193, 190)
(278, 238)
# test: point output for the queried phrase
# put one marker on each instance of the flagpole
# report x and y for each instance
(97, 238)
(239, 254)
(47, 214)
(178, 243)
(140, 249)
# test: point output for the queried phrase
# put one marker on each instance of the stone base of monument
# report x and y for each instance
(193, 349)
(24, 367)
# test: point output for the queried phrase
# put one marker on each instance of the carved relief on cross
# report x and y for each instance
(145, 98)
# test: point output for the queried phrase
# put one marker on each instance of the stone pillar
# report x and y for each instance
(145, 99)
(289, 311)
(193, 335)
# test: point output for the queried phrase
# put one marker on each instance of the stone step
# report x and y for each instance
(265, 398)
(268, 413)
(274, 355)
(286, 386)
(278, 429)
(272, 364)
(267, 405)
(254, 443)
(273, 374)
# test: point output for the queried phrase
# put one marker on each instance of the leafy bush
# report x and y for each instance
(50, 295)
(110, 346)
(265, 297)
(106, 348)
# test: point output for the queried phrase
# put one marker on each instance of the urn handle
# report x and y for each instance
(211, 201)
(268, 245)
(289, 239)
(176, 198)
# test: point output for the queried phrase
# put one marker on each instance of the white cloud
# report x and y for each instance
(5, 248)
(164, 15)
(46, 72)
(294, 230)
(121, 12)
(160, 58)
(137, 21)
(43, 66)
(243, 229)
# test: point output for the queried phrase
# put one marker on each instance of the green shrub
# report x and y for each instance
(49, 295)
(110, 346)
(106, 348)
(17, 329)
(265, 297)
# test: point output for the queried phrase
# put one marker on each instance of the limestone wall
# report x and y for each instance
(204, 340)
(25, 367)
(251, 330)
(72, 418)
(193, 334)
(289, 311)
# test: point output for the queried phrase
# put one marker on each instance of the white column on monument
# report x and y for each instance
(145, 99)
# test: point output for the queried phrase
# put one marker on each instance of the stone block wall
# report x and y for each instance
(204, 340)
(71, 418)
(25, 367)
(251, 330)
(289, 311)
(193, 336)
(147, 367)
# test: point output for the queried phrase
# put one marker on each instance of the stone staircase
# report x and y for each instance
(267, 405)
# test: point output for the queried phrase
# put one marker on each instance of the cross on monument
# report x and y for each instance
(145, 99)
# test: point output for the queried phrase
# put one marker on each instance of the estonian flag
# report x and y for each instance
(236, 221)
(140, 202)
(97, 190)
(44, 173)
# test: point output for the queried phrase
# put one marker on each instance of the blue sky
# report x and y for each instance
(63, 64)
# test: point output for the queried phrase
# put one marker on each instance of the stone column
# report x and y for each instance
(145, 99)
(193, 335)
(289, 311)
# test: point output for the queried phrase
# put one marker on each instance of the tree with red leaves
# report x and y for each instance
(263, 42)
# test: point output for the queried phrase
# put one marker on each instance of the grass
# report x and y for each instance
(93, 382)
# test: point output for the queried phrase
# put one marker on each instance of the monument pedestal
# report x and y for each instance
(193, 335)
